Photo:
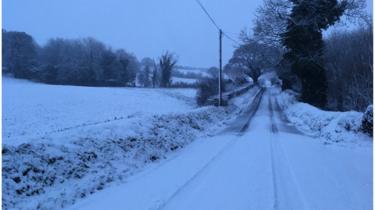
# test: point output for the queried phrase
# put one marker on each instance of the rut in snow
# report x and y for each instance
(285, 189)
(253, 108)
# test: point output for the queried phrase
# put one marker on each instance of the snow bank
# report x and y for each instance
(344, 127)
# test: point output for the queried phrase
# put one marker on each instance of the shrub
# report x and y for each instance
(207, 87)
(367, 121)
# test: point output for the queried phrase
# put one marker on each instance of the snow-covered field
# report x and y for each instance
(203, 73)
(63, 143)
(33, 111)
(177, 80)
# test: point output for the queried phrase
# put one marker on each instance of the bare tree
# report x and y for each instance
(236, 73)
(272, 17)
(19, 54)
(348, 56)
(144, 75)
(254, 56)
(271, 21)
(355, 13)
(166, 63)
(155, 78)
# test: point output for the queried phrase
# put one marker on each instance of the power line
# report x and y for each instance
(230, 38)
(214, 22)
(233, 33)
(221, 34)
(208, 14)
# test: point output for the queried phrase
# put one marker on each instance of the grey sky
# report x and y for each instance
(144, 27)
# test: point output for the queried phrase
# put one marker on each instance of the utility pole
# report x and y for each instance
(220, 67)
(220, 50)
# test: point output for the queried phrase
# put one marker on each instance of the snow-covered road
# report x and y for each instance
(270, 165)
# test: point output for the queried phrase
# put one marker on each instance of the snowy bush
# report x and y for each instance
(367, 121)
(207, 87)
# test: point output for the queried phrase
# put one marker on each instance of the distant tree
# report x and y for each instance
(91, 70)
(121, 67)
(133, 68)
(147, 62)
(252, 57)
(106, 61)
(304, 43)
(19, 54)
(61, 57)
(208, 87)
(144, 76)
(213, 72)
(86, 62)
(166, 64)
(49, 74)
(147, 72)
(5, 51)
(235, 73)
(68, 61)
(155, 78)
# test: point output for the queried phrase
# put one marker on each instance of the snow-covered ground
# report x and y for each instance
(177, 80)
(32, 111)
(64, 143)
(203, 73)
(244, 156)
(332, 127)
(268, 166)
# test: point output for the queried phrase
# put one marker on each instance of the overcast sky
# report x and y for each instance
(144, 27)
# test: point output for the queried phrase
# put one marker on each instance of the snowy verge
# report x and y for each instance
(333, 127)
(52, 176)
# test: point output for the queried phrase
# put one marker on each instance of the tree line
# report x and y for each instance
(331, 70)
(86, 62)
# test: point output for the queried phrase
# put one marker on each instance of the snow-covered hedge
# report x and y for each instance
(367, 121)
(331, 126)
(71, 171)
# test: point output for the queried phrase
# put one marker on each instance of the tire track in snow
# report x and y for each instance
(287, 193)
(241, 123)
(287, 125)
(253, 109)
(197, 174)
(274, 130)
